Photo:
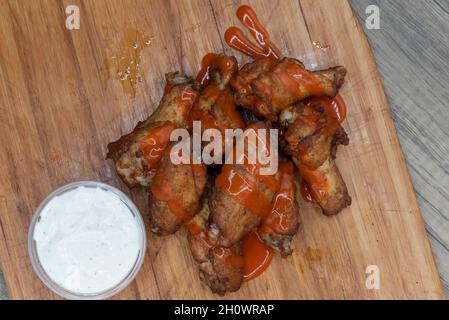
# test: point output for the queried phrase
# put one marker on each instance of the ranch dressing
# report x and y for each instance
(87, 240)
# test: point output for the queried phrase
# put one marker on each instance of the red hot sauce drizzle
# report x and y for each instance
(223, 99)
(333, 107)
(155, 143)
(237, 40)
(257, 256)
(227, 65)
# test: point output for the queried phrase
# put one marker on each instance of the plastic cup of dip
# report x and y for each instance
(87, 241)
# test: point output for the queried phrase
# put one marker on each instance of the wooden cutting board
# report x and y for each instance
(62, 102)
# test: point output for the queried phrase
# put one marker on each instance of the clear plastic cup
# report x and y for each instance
(49, 282)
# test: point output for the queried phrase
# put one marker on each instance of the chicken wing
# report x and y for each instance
(312, 138)
(175, 194)
(221, 269)
(268, 86)
(137, 154)
(215, 108)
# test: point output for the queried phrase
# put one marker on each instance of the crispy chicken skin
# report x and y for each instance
(175, 194)
(240, 199)
(219, 276)
(136, 155)
(312, 139)
(268, 86)
(280, 226)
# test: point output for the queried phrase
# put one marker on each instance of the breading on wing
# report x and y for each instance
(220, 268)
(137, 154)
(312, 138)
(268, 86)
(175, 194)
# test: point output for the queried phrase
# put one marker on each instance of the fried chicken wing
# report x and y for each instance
(280, 226)
(220, 269)
(312, 138)
(241, 198)
(215, 108)
(175, 194)
(137, 154)
(268, 86)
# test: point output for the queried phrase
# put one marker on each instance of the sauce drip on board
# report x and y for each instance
(237, 40)
(257, 256)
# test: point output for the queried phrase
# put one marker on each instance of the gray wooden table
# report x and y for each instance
(412, 52)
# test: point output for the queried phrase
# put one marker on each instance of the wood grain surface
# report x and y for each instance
(60, 109)
(411, 47)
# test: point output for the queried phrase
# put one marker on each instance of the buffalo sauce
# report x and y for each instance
(279, 218)
(187, 99)
(305, 192)
(233, 179)
(228, 257)
(237, 40)
(223, 108)
(162, 191)
(222, 101)
(333, 107)
(316, 181)
(245, 192)
(297, 80)
(257, 256)
(155, 143)
(199, 233)
(226, 64)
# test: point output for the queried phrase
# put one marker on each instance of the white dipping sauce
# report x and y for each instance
(87, 240)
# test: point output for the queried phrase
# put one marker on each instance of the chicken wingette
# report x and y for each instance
(312, 139)
(137, 154)
(267, 86)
